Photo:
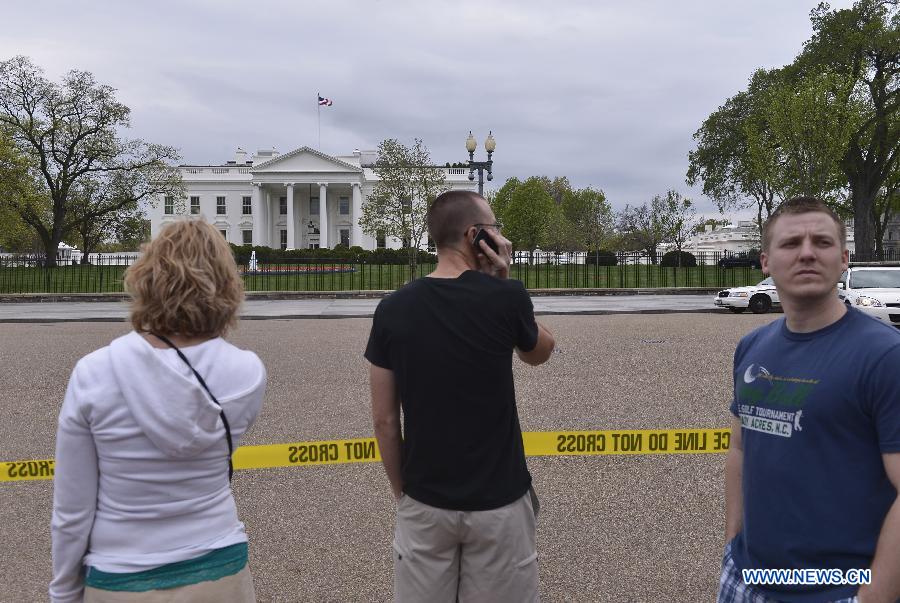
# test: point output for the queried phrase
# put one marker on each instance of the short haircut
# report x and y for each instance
(802, 205)
(185, 282)
(451, 214)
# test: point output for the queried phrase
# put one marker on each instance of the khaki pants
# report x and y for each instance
(237, 588)
(467, 556)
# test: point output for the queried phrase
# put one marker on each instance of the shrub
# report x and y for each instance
(601, 257)
(267, 255)
(670, 259)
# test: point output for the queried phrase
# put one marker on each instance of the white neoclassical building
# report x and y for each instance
(297, 200)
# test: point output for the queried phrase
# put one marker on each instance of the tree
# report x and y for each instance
(17, 190)
(527, 214)
(556, 188)
(591, 218)
(700, 227)
(643, 227)
(737, 159)
(106, 209)
(559, 232)
(678, 219)
(69, 132)
(885, 207)
(500, 200)
(398, 205)
(862, 44)
(811, 122)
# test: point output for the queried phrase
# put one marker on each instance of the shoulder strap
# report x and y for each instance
(212, 397)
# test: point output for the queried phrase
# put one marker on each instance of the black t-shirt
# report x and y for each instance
(450, 343)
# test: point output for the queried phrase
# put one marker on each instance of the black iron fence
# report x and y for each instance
(537, 270)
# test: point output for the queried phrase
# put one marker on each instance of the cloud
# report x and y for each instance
(608, 94)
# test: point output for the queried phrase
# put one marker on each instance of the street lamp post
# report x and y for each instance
(489, 145)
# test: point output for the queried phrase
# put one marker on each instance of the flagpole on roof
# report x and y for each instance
(319, 116)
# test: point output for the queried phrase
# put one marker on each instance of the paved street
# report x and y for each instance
(628, 528)
(346, 308)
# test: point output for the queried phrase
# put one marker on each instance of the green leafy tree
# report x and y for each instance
(68, 131)
(559, 231)
(398, 205)
(737, 158)
(862, 44)
(527, 215)
(18, 194)
(499, 201)
(557, 188)
(591, 218)
(811, 122)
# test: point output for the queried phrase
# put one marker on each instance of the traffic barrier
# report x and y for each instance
(365, 450)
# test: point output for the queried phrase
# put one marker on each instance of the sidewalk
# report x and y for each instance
(358, 307)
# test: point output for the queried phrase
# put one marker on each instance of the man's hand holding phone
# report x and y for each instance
(494, 252)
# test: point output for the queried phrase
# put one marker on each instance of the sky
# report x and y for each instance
(608, 94)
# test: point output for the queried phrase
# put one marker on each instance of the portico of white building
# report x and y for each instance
(298, 200)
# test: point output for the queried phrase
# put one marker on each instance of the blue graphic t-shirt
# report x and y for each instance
(817, 412)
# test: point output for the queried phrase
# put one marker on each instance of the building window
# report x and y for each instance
(890, 235)
(282, 206)
(345, 237)
(314, 206)
(313, 245)
(246, 206)
(169, 206)
(431, 247)
(344, 206)
(220, 206)
(283, 234)
(195, 206)
(380, 241)
(247, 237)
(224, 234)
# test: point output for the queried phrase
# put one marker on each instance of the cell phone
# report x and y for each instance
(482, 235)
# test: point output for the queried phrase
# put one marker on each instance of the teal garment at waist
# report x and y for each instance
(211, 566)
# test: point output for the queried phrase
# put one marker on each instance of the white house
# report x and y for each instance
(296, 200)
(745, 236)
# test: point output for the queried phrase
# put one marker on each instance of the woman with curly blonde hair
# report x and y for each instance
(142, 503)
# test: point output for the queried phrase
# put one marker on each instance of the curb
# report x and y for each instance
(11, 298)
(257, 317)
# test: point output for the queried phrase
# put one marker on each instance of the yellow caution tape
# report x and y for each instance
(365, 450)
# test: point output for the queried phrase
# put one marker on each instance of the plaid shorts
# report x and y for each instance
(733, 590)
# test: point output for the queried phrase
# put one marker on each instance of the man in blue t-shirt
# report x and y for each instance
(814, 465)
(441, 348)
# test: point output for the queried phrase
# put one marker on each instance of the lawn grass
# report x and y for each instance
(108, 279)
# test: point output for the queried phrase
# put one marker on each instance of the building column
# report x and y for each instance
(256, 208)
(355, 215)
(291, 226)
(323, 215)
(269, 222)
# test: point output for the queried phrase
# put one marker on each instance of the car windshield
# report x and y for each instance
(765, 282)
(872, 279)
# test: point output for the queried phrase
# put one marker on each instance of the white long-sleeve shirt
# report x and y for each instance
(141, 476)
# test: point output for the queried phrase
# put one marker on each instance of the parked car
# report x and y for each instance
(759, 298)
(739, 261)
(874, 289)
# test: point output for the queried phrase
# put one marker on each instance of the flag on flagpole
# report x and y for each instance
(324, 102)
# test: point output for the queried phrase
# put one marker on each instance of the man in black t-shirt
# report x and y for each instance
(441, 348)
